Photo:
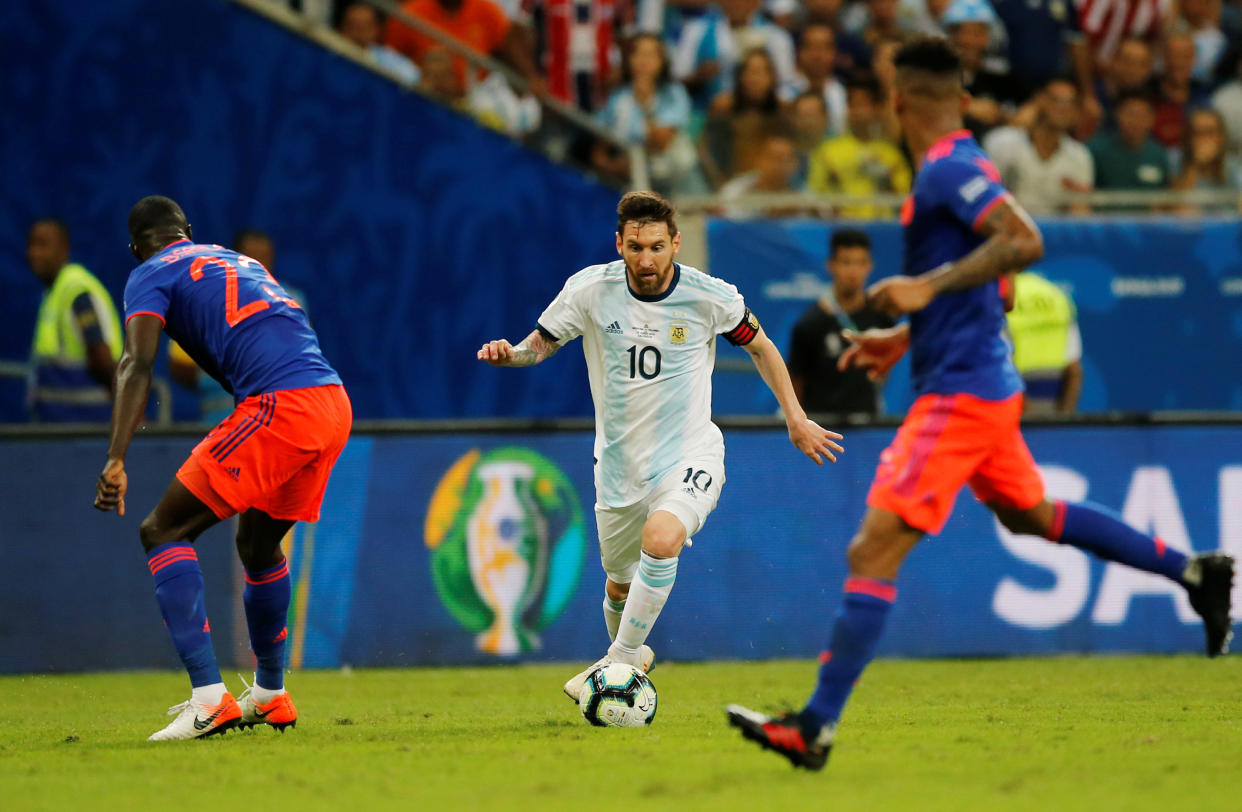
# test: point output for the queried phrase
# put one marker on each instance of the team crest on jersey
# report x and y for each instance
(677, 333)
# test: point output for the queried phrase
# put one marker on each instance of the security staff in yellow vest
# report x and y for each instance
(77, 337)
(1047, 347)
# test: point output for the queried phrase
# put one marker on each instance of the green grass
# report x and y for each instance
(1159, 733)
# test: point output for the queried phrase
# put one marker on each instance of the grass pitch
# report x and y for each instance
(1159, 733)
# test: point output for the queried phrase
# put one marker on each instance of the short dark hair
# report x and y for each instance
(811, 94)
(865, 83)
(61, 227)
(848, 238)
(1137, 94)
(250, 233)
(627, 53)
(153, 216)
(646, 207)
(934, 55)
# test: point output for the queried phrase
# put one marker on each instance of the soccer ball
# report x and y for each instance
(618, 695)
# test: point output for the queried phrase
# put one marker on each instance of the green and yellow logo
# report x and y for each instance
(507, 544)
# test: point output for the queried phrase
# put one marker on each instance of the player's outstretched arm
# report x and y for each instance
(1013, 243)
(809, 437)
(133, 383)
(876, 351)
(534, 348)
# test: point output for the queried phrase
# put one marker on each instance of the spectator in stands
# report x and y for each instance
(361, 25)
(1046, 42)
(885, 74)
(739, 120)
(1205, 163)
(1128, 157)
(1106, 23)
(817, 342)
(480, 25)
(1047, 346)
(1228, 102)
(994, 93)
(817, 54)
(860, 162)
(1177, 91)
(873, 21)
(574, 46)
(775, 169)
(852, 52)
(921, 17)
(491, 102)
(711, 49)
(77, 338)
(1201, 19)
(1042, 164)
(1131, 70)
(808, 118)
(651, 109)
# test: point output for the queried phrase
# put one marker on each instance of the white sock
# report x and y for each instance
(647, 596)
(210, 694)
(612, 615)
(263, 695)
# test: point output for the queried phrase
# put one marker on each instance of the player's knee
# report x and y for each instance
(1034, 522)
(152, 534)
(663, 540)
(868, 556)
(617, 593)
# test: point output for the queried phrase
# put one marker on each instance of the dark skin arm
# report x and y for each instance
(133, 384)
(1012, 243)
(1071, 388)
(99, 363)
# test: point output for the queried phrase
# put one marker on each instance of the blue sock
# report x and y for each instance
(1100, 531)
(854, 636)
(267, 610)
(179, 592)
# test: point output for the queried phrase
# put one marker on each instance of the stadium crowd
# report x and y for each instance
(739, 96)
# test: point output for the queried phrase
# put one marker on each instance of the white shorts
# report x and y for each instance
(689, 492)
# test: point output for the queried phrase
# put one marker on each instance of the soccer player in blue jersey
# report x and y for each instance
(269, 461)
(963, 235)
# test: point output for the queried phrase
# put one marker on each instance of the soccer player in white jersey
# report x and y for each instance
(649, 327)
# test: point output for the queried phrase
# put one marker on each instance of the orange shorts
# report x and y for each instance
(946, 442)
(274, 453)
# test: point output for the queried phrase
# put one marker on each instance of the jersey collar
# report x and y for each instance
(655, 297)
(944, 145)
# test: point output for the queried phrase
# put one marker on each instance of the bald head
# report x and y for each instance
(154, 222)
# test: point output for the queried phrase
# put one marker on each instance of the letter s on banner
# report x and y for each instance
(1046, 608)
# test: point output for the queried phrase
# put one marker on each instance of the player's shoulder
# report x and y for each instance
(966, 170)
(593, 275)
(711, 287)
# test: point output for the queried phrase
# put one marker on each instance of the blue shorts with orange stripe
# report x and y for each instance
(274, 453)
(948, 441)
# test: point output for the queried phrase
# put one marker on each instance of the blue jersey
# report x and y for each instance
(957, 343)
(229, 315)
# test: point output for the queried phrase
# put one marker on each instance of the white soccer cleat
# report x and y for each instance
(573, 687)
(197, 719)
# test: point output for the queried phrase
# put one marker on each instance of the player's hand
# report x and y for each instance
(111, 486)
(899, 295)
(497, 353)
(876, 351)
(814, 440)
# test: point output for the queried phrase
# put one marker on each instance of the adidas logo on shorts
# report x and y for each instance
(614, 328)
(234, 472)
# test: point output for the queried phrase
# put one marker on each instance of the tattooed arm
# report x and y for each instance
(1013, 243)
(534, 348)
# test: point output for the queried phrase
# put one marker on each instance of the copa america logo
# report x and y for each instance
(507, 538)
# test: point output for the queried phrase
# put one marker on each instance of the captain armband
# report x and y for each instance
(745, 332)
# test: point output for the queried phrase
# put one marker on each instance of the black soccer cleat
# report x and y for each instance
(1211, 599)
(782, 734)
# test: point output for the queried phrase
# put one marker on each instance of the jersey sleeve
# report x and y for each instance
(732, 318)
(562, 321)
(969, 188)
(147, 294)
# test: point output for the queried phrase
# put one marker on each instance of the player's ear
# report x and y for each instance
(133, 249)
(676, 243)
(964, 102)
(619, 244)
(189, 231)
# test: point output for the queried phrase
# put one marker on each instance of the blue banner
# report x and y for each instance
(1159, 303)
(448, 549)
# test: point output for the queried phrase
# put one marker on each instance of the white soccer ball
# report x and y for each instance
(618, 695)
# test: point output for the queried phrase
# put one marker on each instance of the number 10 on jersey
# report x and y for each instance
(645, 362)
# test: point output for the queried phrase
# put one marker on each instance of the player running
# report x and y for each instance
(649, 327)
(269, 461)
(963, 232)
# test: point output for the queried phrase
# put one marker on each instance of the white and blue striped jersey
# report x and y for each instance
(650, 360)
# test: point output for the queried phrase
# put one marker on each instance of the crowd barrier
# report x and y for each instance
(478, 545)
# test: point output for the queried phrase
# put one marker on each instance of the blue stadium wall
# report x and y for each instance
(414, 233)
(411, 565)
